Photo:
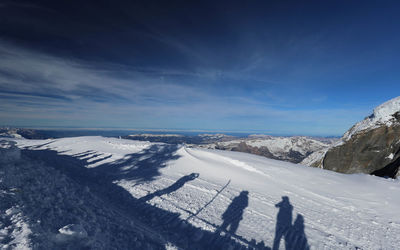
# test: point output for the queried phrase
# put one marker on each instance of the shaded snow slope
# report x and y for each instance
(188, 198)
(96, 149)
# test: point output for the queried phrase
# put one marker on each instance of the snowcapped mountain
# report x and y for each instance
(179, 138)
(102, 193)
(386, 114)
(371, 146)
(293, 149)
(20, 133)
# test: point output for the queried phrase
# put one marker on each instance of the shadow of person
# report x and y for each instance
(234, 213)
(296, 237)
(98, 186)
(283, 222)
(177, 185)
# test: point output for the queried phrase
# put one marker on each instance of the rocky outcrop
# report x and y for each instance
(372, 146)
(243, 147)
(367, 152)
(22, 132)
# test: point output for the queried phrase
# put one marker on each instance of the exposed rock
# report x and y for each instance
(367, 152)
(21, 132)
(371, 146)
(243, 147)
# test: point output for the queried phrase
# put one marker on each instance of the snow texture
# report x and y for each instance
(382, 115)
(139, 195)
(280, 146)
(315, 157)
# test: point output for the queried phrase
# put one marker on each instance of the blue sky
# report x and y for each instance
(275, 67)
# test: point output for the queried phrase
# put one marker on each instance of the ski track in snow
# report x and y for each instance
(132, 194)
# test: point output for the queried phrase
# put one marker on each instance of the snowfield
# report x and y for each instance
(107, 193)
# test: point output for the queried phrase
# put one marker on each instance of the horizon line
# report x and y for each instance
(250, 132)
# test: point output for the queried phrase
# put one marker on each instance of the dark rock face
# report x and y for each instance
(263, 151)
(397, 116)
(297, 157)
(26, 133)
(391, 170)
(291, 156)
(31, 134)
(375, 151)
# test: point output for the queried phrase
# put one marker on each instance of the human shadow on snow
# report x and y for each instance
(293, 235)
(145, 166)
(234, 213)
(169, 227)
(177, 185)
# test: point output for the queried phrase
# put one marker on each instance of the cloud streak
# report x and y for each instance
(37, 89)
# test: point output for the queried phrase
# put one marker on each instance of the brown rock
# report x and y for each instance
(367, 152)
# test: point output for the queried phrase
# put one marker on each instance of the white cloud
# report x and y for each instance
(39, 89)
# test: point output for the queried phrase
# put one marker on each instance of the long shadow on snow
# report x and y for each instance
(168, 225)
(177, 185)
(234, 213)
(144, 166)
(46, 206)
(293, 235)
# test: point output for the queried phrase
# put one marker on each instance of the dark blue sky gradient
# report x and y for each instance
(278, 67)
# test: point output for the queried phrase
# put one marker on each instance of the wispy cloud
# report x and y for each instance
(38, 89)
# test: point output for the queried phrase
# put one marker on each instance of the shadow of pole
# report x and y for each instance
(208, 203)
(154, 223)
(169, 227)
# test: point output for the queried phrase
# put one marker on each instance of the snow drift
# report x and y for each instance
(95, 192)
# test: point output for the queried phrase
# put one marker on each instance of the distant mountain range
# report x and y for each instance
(293, 149)
(199, 139)
(371, 146)
(21, 132)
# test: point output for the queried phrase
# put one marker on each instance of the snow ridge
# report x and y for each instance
(283, 148)
(382, 115)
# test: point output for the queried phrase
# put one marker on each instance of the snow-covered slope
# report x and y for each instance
(166, 196)
(370, 146)
(292, 149)
(383, 115)
(315, 159)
